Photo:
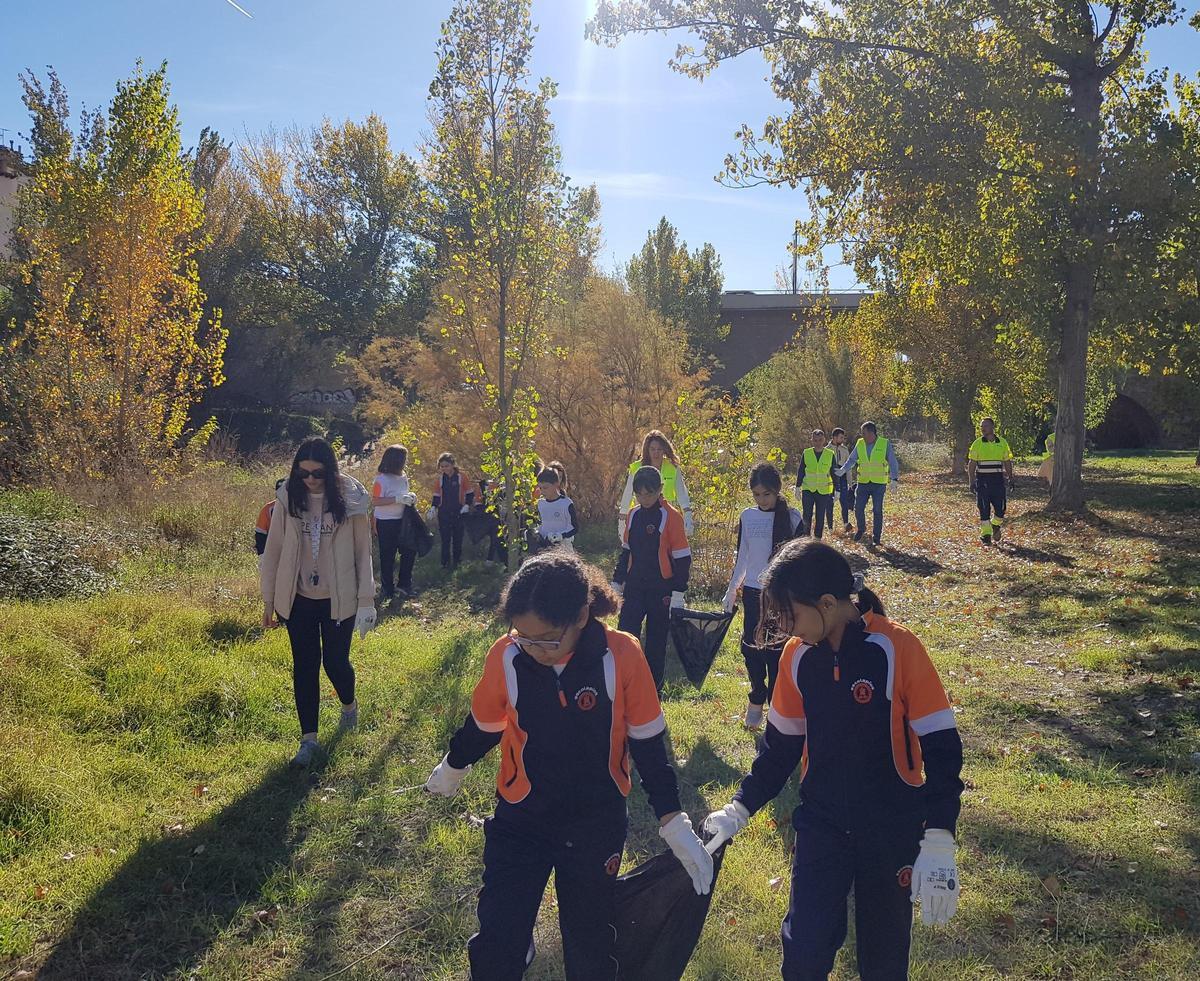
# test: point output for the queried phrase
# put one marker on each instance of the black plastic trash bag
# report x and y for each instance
(414, 534)
(480, 525)
(659, 918)
(697, 636)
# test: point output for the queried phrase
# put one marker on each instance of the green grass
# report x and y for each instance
(149, 826)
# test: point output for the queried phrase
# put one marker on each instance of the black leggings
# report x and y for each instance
(315, 638)
(389, 543)
(762, 663)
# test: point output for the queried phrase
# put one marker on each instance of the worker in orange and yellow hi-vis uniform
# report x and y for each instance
(989, 465)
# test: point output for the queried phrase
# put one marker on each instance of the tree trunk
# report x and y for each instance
(962, 432)
(1082, 266)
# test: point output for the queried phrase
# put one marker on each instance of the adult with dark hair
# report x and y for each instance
(653, 567)
(860, 702)
(390, 495)
(844, 485)
(814, 484)
(878, 472)
(990, 471)
(453, 496)
(657, 452)
(587, 704)
(316, 577)
(762, 531)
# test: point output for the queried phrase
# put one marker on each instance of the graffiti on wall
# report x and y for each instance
(318, 400)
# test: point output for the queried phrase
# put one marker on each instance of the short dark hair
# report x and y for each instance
(555, 586)
(871, 426)
(818, 432)
(394, 459)
(446, 458)
(647, 479)
(548, 476)
(839, 431)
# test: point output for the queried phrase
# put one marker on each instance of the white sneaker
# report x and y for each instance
(304, 755)
(754, 716)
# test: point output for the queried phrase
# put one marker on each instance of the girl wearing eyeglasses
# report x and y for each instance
(316, 578)
(587, 703)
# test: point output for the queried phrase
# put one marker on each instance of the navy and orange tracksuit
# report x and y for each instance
(655, 561)
(451, 493)
(863, 723)
(262, 526)
(565, 746)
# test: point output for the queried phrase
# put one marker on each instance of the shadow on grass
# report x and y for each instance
(1027, 554)
(165, 906)
(914, 562)
(177, 896)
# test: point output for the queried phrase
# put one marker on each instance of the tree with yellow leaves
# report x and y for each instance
(113, 352)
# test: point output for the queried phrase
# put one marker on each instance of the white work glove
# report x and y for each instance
(621, 529)
(431, 514)
(555, 539)
(445, 780)
(618, 588)
(729, 603)
(725, 823)
(465, 509)
(408, 499)
(364, 621)
(677, 600)
(690, 851)
(935, 877)
(689, 526)
(893, 486)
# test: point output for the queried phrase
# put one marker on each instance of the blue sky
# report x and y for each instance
(650, 139)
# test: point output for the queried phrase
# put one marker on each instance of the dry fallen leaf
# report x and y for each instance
(776, 883)
(40, 892)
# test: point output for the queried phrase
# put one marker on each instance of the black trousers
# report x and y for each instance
(762, 663)
(823, 505)
(828, 863)
(517, 860)
(389, 544)
(991, 494)
(652, 604)
(450, 530)
(844, 493)
(317, 638)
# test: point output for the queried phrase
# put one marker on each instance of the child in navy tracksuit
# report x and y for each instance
(453, 496)
(652, 568)
(762, 530)
(860, 708)
(587, 704)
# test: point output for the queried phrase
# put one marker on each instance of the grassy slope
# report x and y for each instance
(149, 826)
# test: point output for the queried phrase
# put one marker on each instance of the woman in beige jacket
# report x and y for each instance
(316, 578)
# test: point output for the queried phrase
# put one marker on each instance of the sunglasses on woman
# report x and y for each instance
(312, 474)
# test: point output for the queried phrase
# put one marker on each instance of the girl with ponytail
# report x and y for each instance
(859, 707)
(762, 530)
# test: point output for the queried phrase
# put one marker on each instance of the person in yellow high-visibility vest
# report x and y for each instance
(1046, 470)
(814, 484)
(878, 471)
(989, 468)
(657, 452)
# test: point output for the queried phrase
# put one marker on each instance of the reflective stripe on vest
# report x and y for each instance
(668, 472)
(873, 468)
(817, 477)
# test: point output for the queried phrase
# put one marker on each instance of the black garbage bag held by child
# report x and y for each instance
(698, 636)
(659, 918)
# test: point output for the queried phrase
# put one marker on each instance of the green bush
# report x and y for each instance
(39, 560)
(179, 522)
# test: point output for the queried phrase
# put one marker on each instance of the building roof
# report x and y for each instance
(747, 300)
